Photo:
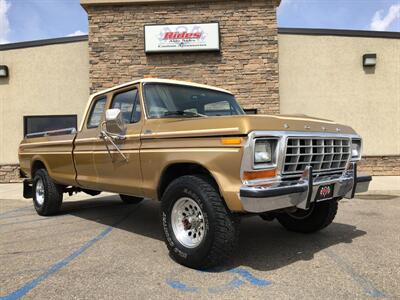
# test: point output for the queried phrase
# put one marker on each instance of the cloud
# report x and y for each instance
(4, 22)
(382, 23)
(78, 32)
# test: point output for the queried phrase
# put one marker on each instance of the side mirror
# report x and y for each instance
(114, 122)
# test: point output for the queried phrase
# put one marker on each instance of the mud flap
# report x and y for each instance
(28, 189)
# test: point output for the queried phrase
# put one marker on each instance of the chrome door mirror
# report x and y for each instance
(115, 130)
(114, 122)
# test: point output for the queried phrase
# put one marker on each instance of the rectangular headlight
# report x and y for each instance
(356, 149)
(264, 151)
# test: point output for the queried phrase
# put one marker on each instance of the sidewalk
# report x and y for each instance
(385, 185)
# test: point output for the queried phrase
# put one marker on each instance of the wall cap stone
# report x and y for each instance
(85, 3)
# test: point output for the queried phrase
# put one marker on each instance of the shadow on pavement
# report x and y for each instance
(262, 245)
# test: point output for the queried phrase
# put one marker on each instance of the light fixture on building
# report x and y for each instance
(369, 60)
(3, 71)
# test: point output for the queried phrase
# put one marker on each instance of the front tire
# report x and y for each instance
(199, 231)
(47, 195)
(130, 199)
(319, 216)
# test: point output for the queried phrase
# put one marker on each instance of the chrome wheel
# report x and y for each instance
(39, 192)
(187, 222)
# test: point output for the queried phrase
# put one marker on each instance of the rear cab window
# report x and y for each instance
(220, 108)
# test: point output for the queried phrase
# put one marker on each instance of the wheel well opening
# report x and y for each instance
(37, 165)
(175, 171)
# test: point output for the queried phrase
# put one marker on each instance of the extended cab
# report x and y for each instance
(192, 147)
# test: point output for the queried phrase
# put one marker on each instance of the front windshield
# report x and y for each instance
(172, 100)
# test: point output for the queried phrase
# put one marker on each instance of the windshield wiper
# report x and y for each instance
(183, 113)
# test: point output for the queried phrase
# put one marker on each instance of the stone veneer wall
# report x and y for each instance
(247, 64)
(381, 165)
(9, 174)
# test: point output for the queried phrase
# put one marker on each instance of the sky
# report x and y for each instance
(27, 20)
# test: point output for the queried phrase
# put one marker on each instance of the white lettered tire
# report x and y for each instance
(199, 231)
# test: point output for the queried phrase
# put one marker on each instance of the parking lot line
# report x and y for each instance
(363, 282)
(62, 263)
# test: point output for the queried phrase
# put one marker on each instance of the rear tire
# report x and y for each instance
(130, 199)
(47, 195)
(199, 230)
(320, 216)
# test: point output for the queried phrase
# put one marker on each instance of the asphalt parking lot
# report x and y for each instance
(100, 248)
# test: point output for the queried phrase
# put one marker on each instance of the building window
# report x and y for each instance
(35, 124)
(97, 112)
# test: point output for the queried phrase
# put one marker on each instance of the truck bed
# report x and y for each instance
(54, 150)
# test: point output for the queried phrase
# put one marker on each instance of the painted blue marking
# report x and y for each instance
(233, 284)
(55, 268)
(250, 278)
(365, 284)
(230, 285)
(59, 265)
(181, 286)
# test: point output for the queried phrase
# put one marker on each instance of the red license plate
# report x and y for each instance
(325, 192)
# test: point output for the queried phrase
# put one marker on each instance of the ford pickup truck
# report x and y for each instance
(193, 148)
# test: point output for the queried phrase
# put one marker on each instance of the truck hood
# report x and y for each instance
(241, 125)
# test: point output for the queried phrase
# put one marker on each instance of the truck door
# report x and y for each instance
(86, 141)
(116, 173)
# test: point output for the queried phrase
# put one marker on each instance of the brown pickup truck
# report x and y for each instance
(192, 148)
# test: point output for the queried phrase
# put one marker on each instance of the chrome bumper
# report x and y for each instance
(301, 193)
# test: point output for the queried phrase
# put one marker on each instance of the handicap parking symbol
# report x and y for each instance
(240, 277)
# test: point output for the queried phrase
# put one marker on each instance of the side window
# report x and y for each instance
(128, 104)
(96, 113)
(137, 112)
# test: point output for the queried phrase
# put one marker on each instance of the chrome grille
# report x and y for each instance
(323, 154)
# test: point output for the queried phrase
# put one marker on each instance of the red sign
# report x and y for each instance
(181, 35)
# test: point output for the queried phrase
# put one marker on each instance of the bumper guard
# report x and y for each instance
(301, 193)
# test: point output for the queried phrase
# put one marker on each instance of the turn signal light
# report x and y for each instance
(259, 174)
(231, 141)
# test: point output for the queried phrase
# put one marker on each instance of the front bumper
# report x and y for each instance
(301, 193)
